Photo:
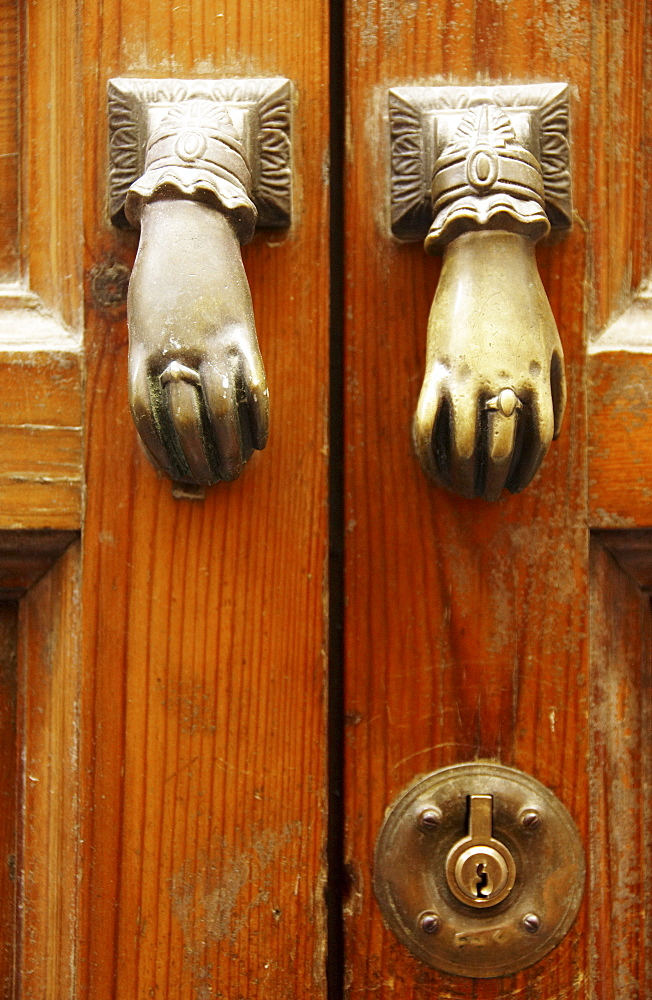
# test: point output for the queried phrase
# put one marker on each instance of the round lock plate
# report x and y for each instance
(420, 833)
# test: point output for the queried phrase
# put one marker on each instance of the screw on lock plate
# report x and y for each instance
(479, 869)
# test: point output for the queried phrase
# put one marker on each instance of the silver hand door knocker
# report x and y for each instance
(197, 385)
(483, 174)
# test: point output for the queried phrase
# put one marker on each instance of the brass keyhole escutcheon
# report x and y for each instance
(480, 870)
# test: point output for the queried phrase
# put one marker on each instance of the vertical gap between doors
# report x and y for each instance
(335, 853)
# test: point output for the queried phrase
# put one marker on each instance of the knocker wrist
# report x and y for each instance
(195, 153)
(495, 183)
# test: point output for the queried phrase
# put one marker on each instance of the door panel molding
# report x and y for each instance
(620, 764)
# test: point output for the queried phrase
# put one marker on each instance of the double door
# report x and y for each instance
(215, 697)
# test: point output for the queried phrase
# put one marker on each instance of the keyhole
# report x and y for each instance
(482, 886)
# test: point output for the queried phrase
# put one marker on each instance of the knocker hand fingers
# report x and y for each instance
(190, 426)
(256, 404)
(502, 416)
(146, 402)
(228, 417)
(424, 429)
(534, 435)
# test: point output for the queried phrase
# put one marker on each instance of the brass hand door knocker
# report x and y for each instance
(486, 170)
(197, 385)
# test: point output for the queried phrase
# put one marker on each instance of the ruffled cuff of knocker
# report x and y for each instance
(196, 153)
(495, 211)
(486, 179)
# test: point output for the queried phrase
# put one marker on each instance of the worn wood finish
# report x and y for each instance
(204, 626)
(8, 797)
(620, 258)
(621, 772)
(632, 550)
(26, 556)
(40, 361)
(467, 622)
(171, 704)
(49, 669)
(52, 144)
(40, 427)
(620, 491)
(9, 129)
(620, 111)
(40, 503)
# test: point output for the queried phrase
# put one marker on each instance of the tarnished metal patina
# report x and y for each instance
(486, 171)
(479, 870)
(197, 386)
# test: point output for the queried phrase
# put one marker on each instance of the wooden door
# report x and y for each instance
(171, 668)
(184, 817)
(516, 631)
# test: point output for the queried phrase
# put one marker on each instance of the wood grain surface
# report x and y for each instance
(40, 244)
(26, 556)
(50, 842)
(467, 623)
(8, 797)
(40, 434)
(169, 671)
(204, 621)
(53, 150)
(620, 442)
(9, 139)
(621, 773)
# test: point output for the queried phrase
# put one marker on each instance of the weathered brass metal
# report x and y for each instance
(260, 110)
(494, 884)
(486, 171)
(479, 869)
(196, 164)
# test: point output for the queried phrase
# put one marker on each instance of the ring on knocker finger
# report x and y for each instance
(176, 372)
(506, 402)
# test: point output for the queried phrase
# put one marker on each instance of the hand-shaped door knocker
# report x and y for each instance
(494, 391)
(197, 386)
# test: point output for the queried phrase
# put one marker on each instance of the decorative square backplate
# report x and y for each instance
(424, 119)
(260, 108)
